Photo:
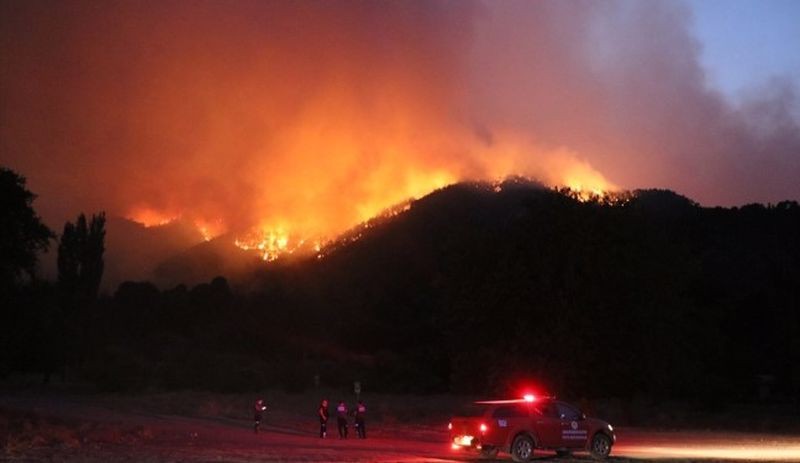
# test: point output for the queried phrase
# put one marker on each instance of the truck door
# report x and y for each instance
(548, 424)
(508, 419)
(574, 432)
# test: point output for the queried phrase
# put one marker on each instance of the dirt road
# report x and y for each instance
(69, 429)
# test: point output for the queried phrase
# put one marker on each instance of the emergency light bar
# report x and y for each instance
(499, 402)
(527, 398)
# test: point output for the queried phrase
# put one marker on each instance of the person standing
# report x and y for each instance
(341, 419)
(323, 419)
(360, 414)
(258, 410)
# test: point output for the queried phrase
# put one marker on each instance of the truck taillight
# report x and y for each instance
(484, 428)
(449, 426)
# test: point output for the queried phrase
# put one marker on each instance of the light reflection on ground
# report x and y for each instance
(707, 445)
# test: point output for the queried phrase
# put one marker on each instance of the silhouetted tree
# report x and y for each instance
(22, 233)
(23, 307)
(80, 269)
(80, 259)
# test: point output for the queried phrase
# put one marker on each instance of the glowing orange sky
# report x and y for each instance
(311, 117)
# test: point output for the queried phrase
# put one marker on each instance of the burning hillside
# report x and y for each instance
(439, 213)
(284, 124)
(270, 242)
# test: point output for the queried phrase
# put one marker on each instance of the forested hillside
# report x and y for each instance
(475, 288)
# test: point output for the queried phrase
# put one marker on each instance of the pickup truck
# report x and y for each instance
(519, 426)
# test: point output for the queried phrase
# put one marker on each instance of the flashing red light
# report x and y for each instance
(484, 428)
(529, 397)
(449, 426)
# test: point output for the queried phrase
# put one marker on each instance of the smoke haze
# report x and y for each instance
(311, 117)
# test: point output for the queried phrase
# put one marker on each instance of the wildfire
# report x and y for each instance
(585, 182)
(209, 229)
(150, 217)
(512, 154)
(309, 171)
(308, 232)
(270, 244)
(332, 177)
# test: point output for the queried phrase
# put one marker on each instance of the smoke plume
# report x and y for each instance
(308, 117)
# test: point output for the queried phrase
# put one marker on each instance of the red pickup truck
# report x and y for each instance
(519, 426)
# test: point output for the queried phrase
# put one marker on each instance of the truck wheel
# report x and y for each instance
(489, 453)
(601, 446)
(522, 448)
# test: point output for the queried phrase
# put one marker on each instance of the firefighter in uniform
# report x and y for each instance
(360, 412)
(323, 419)
(258, 410)
(341, 419)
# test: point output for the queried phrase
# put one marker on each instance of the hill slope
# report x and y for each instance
(476, 288)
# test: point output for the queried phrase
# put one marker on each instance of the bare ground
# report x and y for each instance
(201, 427)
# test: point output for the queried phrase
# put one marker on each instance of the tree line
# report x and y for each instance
(475, 289)
(43, 322)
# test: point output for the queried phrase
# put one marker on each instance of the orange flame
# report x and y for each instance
(306, 226)
(209, 229)
(150, 217)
